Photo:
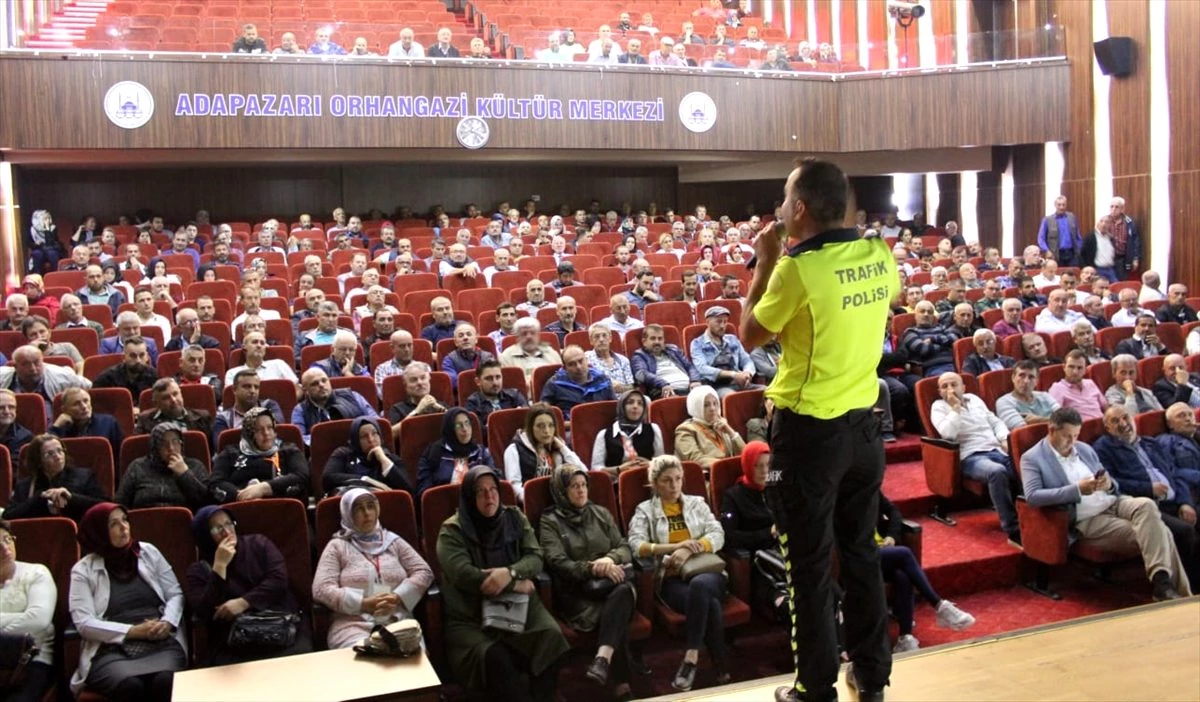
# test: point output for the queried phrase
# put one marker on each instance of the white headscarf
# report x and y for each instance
(372, 543)
(695, 401)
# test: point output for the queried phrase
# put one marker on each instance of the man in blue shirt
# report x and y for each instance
(1059, 235)
(78, 419)
(720, 358)
(443, 321)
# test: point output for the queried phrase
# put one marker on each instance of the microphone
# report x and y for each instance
(779, 230)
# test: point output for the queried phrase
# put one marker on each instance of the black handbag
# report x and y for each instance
(601, 588)
(16, 652)
(263, 630)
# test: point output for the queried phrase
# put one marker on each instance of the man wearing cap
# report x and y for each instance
(665, 56)
(720, 358)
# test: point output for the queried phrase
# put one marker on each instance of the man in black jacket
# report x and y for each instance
(492, 395)
(250, 42)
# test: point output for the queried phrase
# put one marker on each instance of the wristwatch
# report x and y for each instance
(512, 572)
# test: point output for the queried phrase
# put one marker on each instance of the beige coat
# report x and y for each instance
(697, 442)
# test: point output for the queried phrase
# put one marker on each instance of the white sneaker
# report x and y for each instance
(951, 617)
(906, 642)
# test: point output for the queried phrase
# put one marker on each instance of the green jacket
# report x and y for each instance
(568, 551)
(542, 642)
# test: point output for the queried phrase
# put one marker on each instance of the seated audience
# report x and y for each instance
(127, 606)
(236, 574)
(98, 292)
(134, 372)
(191, 370)
(29, 598)
(49, 486)
(487, 549)
(1077, 392)
(255, 346)
(367, 575)
(1125, 392)
(586, 558)
(1181, 445)
(1176, 384)
(602, 358)
(535, 298)
(565, 324)
(492, 395)
(576, 382)
(245, 398)
(170, 407)
(30, 374)
(1063, 471)
(188, 332)
(1176, 310)
(72, 312)
(1028, 294)
(320, 402)
(326, 330)
(164, 477)
(36, 330)
(418, 399)
(443, 324)
(630, 441)
(1130, 311)
(928, 345)
(365, 461)
(766, 360)
(536, 450)
(447, 461)
(402, 354)
(1145, 342)
(901, 569)
(747, 521)
(706, 437)
(1033, 345)
(672, 527)
(985, 358)
(661, 369)
(260, 465)
(466, 354)
(1141, 470)
(78, 419)
(1025, 405)
(619, 319)
(13, 434)
(982, 445)
(1083, 336)
(1011, 323)
(128, 327)
(1057, 316)
(1093, 312)
(529, 351)
(719, 358)
(341, 362)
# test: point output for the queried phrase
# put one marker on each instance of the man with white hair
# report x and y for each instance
(1125, 392)
(266, 239)
(1177, 385)
(1176, 310)
(603, 44)
(320, 402)
(1058, 236)
(128, 326)
(1032, 256)
(406, 47)
(341, 362)
(985, 358)
(501, 262)
(72, 309)
(401, 342)
(1127, 241)
(327, 328)
(530, 351)
(1128, 315)
(982, 445)
(187, 324)
(1151, 288)
(535, 298)
(17, 307)
(418, 398)
(29, 374)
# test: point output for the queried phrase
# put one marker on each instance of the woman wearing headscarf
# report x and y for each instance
(367, 575)
(706, 437)
(34, 287)
(50, 486)
(536, 450)
(128, 608)
(445, 462)
(27, 600)
(744, 515)
(487, 549)
(364, 456)
(630, 441)
(584, 553)
(163, 477)
(259, 465)
(238, 573)
(41, 243)
(114, 277)
(671, 527)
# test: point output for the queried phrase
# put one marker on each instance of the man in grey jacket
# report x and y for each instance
(1060, 471)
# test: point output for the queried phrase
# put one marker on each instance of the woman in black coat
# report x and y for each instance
(260, 465)
(51, 486)
(364, 457)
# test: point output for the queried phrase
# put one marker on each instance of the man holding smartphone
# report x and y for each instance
(826, 299)
(1060, 471)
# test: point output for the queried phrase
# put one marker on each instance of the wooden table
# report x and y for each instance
(324, 676)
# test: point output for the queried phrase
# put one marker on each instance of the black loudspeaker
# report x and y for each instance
(1115, 56)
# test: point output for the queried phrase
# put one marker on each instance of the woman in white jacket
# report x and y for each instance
(672, 527)
(128, 607)
(27, 599)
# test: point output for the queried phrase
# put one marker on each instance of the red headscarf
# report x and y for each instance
(750, 456)
(93, 536)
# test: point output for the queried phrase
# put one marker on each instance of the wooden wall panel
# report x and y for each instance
(1029, 196)
(949, 206)
(1183, 56)
(1079, 152)
(987, 208)
(1129, 105)
(257, 193)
